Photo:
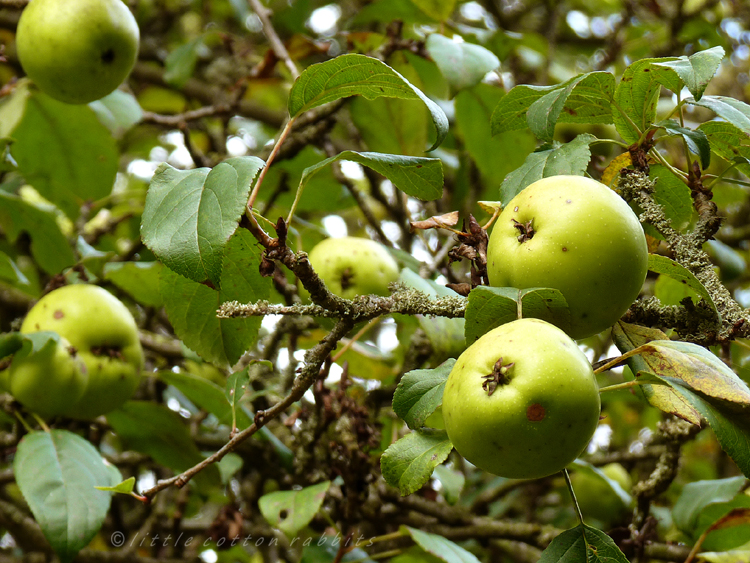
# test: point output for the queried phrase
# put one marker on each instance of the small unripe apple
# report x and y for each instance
(77, 51)
(105, 336)
(50, 380)
(576, 235)
(352, 266)
(521, 402)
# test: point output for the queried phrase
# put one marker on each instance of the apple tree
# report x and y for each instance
(234, 287)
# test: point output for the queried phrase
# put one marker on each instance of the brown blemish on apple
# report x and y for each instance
(535, 412)
(58, 314)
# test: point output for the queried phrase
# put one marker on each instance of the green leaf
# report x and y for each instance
(697, 70)
(673, 195)
(57, 473)
(668, 267)
(322, 193)
(439, 10)
(290, 511)
(627, 337)
(161, 433)
(580, 544)
(49, 247)
(10, 343)
(420, 392)
(671, 292)
(138, 279)
(490, 307)
(408, 463)
(206, 395)
(586, 98)
(591, 100)
(734, 111)
(729, 142)
(353, 74)
(698, 495)
(416, 176)
(636, 97)
(191, 307)
(10, 273)
(235, 389)
(180, 63)
(510, 112)
(80, 156)
(697, 367)
(583, 467)
(386, 11)
(440, 547)
(191, 214)
(118, 112)
(462, 64)
(695, 139)
(731, 429)
(451, 483)
(125, 487)
(473, 111)
(92, 259)
(393, 125)
(570, 159)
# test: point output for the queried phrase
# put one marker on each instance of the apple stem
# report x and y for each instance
(23, 422)
(282, 137)
(573, 495)
(625, 385)
(41, 422)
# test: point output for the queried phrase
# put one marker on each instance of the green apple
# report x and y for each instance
(77, 51)
(521, 402)
(46, 375)
(575, 235)
(596, 497)
(352, 266)
(105, 336)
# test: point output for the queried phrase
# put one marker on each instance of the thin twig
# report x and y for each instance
(274, 152)
(313, 360)
(180, 118)
(273, 39)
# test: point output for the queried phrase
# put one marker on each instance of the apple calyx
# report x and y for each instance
(347, 278)
(526, 229)
(497, 377)
(114, 352)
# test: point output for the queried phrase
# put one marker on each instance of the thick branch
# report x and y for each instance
(688, 251)
(404, 300)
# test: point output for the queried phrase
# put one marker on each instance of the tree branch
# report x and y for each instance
(314, 359)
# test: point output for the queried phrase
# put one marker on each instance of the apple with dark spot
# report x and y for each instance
(105, 336)
(522, 401)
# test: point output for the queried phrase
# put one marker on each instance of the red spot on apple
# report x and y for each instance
(535, 412)
(58, 314)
